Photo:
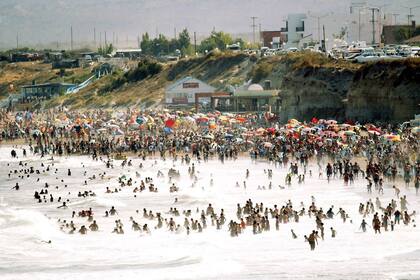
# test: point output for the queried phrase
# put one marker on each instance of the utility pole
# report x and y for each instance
(324, 47)
(259, 33)
(319, 24)
(71, 37)
(359, 5)
(410, 16)
(17, 41)
(100, 39)
(195, 43)
(175, 33)
(395, 18)
(105, 38)
(373, 21)
(253, 28)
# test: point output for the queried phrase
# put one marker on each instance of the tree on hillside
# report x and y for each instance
(184, 42)
(160, 45)
(146, 44)
(107, 49)
(216, 40)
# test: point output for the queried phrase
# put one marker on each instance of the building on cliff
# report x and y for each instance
(272, 39)
(253, 98)
(183, 92)
(295, 30)
(43, 91)
(396, 34)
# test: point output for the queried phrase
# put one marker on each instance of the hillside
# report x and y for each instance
(216, 69)
(23, 73)
(310, 84)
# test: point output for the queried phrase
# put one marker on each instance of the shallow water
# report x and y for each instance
(25, 224)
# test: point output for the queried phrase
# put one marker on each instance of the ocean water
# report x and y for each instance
(25, 225)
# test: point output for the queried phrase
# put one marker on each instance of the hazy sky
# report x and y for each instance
(45, 21)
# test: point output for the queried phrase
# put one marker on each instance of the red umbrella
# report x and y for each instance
(170, 123)
(203, 119)
(271, 130)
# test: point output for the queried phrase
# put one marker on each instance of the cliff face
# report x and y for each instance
(382, 91)
(310, 84)
(315, 92)
(385, 91)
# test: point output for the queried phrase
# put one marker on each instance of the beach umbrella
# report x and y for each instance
(140, 120)
(212, 126)
(239, 140)
(170, 123)
(331, 122)
(208, 136)
(271, 130)
(203, 119)
(247, 134)
(228, 136)
(349, 132)
(268, 144)
(281, 138)
(167, 130)
(77, 128)
(134, 125)
(375, 132)
(119, 132)
(189, 119)
(35, 132)
(306, 129)
(113, 126)
(415, 130)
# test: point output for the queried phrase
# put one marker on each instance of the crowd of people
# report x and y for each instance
(352, 152)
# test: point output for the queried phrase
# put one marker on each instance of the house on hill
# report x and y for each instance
(182, 92)
(44, 91)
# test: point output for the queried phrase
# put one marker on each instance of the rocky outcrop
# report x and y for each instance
(315, 92)
(385, 91)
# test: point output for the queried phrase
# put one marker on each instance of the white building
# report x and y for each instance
(295, 30)
(183, 91)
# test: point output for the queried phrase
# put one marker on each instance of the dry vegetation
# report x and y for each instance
(216, 69)
(23, 73)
